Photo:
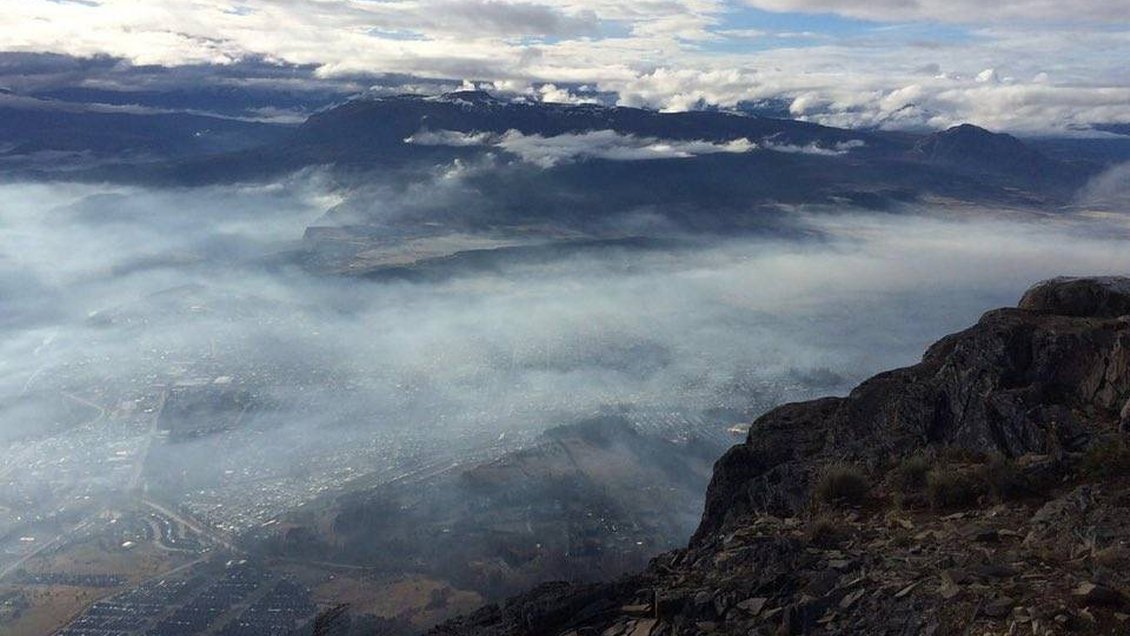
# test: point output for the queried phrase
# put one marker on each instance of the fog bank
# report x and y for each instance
(112, 297)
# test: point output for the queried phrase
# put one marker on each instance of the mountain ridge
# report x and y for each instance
(371, 134)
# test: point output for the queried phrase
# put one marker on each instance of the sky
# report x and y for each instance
(1034, 66)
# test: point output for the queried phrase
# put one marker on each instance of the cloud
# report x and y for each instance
(112, 293)
(676, 55)
(491, 17)
(598, 144)
(450, 138)
(551, 93)
(841, 148)
(548, 152)
(1109, 191)
(938, 103)
(960, 11)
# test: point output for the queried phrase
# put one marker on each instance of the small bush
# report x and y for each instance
(1002, 479)
(825, 532)
(1115, 557)
(842, 484)
(1108, 458)
(951, 489)
(910, 475)
(960, 455)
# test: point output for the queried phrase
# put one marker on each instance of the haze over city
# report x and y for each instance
(352, 317)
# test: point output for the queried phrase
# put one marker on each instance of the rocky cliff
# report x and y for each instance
(984, 490)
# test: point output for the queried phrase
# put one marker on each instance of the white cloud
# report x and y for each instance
(450, 138)
(598, 144)
(673, 55)
(553, 94)
(1108, 191)
(987, 76)
(959, 11)
(841, 148)
(609, 144)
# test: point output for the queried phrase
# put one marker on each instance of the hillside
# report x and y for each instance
(588, 501)
(983, 490)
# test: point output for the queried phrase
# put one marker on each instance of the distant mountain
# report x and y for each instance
(46, 136)
(229, 100)
(437, 184)
(374, 130)
(1118, 129)
(973, 150)
(583, 170)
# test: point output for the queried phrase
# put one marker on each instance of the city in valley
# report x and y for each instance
(141, 500)
(557, 318)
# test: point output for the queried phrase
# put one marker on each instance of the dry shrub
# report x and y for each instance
(1105, 459)
(951, 489)
(826, 532)
(842, 484)
(910, 475)
(1115, 557)
(1002, 479)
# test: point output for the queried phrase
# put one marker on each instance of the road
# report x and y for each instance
(143, 454)
(46, 545)
(198, 528)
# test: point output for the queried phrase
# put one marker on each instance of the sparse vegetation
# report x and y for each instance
(910, 475)
(960, 455)
(826, 532)
(1107, 458)
(1112, 557)
(1002, 480)
(947, 489)
(842, 484)
(957, 480)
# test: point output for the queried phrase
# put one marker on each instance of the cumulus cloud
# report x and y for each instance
(551, 93)
(943, 102)
(677, 55)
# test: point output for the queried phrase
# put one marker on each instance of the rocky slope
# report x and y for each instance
(985, 490)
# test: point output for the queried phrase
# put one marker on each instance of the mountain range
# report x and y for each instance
(784, 161)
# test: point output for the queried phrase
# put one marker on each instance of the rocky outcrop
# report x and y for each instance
(1037, 379)
(997, 500)
(1106, 297)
